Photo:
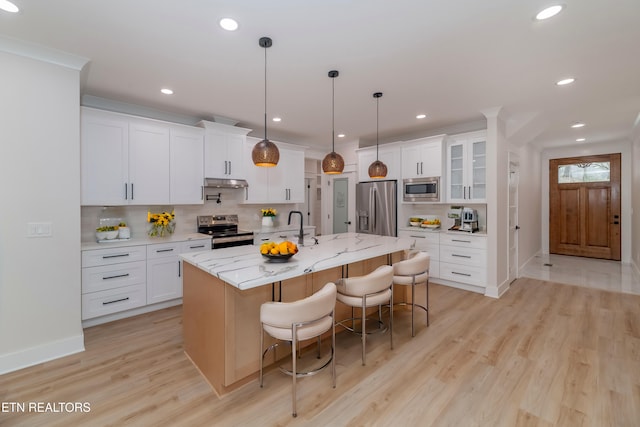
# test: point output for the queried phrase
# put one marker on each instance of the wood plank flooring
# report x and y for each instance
(544, 354)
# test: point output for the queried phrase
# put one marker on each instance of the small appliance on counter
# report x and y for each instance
(465, 219)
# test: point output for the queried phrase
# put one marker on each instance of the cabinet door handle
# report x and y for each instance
(126, 188)
(246, 194)
(418, 237)
(421, 170)
(464, 189)
(114, 256)
(132, 191)
(461, 256)
(202, 192)
(229, 167)
(225, 167)
(461, 274)
(196, 247)
(164, 250)
(116, 276)
(417, 169)
(179, 270)
(114, 301)
(461, 241)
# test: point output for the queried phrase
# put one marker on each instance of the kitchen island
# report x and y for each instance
(224, 288)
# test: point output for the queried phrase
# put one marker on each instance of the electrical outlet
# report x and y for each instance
(39, 229)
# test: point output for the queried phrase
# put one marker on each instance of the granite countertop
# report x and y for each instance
(143, 240)
(245, 268)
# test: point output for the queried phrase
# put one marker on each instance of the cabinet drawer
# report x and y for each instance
(93, 258)
(195, 246)
(101, 303)
(427, 236)
(463, 240)
(162, 250)
(463, 273)
(465, 256)
(113, 276)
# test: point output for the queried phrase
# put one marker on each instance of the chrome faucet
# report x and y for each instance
(301, 235)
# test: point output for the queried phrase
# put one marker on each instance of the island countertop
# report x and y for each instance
(244, 267)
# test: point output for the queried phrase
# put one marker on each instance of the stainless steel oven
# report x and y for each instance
(224, 231)
(421, 189)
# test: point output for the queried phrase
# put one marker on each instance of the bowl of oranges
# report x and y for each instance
(278, 252)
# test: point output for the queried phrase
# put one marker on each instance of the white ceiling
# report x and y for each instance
(449, 59)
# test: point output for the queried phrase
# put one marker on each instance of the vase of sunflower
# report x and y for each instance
(161, 224)
(268, 215)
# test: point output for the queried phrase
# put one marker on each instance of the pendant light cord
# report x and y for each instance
(377, 124)
(265, 92)
(333, 114)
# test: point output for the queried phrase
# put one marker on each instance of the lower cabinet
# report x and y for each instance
(427, 241)
(463, 258)
(115, 280)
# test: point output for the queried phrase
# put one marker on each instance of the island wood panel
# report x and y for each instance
(203, 323)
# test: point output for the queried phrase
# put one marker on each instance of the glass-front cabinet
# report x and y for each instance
(466, 168)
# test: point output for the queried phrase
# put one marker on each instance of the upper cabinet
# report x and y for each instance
(223, 150)
(423, 157)
(466, 168)
(389, 154)
(133, 160)
(283, 183)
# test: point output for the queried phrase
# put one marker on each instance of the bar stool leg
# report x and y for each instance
(364, 332)
(261, 352)
(413, 306)
(427, 292)
(295, 371)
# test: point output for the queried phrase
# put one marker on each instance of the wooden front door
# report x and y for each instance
(584, 206)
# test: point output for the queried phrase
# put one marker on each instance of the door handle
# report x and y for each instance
(615, 222)
(517, 227)
(348, 222)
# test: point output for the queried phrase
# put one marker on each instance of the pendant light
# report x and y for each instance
(265, 153)
(377, 169)
(333, 163)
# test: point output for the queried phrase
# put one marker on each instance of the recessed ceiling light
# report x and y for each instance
(166, 91)
(277, 119)
(229, 24)
(421, 116)
(581, 139)
(565, 81)
(577, 125)
(7, 6)
(549, 12)
(341, 135)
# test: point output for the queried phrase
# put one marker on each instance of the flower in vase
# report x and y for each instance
(269, 212)
(161, 223)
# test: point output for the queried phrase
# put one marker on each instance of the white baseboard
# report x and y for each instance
(41, 353)
(497, 292)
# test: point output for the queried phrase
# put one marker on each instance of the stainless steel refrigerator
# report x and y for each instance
(376, 206)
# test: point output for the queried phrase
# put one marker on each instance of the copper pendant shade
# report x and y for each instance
(333, 163)
(265, 153)
(377, 169)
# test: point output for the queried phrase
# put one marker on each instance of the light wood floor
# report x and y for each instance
(543, 355)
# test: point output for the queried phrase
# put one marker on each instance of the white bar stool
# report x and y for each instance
(298, 321)
(373, 289)
(413, 271)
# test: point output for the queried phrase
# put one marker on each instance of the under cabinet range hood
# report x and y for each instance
(225, 183)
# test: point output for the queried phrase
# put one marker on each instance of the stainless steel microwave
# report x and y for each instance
(421, 189)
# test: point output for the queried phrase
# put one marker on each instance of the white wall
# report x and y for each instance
(623, 147)
(39, 182)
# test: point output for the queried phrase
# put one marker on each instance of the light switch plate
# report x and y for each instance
(39, 229)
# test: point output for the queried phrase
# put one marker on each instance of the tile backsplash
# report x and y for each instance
(249, 216)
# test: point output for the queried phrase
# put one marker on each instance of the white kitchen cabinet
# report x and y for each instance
(463, 258)
(149, 161)
(283, 183)
(389, 154)
(423, 158)
(164, 272)
(113, 280)
(466, 168)
(223, 150)
(427, 241)
(186, 165)
(129, 160)
(104, 150)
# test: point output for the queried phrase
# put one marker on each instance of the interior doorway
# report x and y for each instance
(585, 206)
(340, 205)
(514, 179)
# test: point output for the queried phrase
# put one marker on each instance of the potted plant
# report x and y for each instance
(268, 215)
(124, 232)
